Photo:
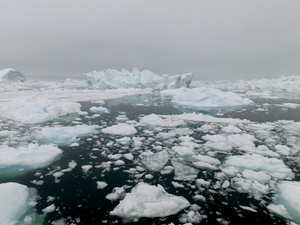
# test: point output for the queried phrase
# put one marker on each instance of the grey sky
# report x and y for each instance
(213, 39)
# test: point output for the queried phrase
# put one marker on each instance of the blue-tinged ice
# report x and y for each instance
(11, 75)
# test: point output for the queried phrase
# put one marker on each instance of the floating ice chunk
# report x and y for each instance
(86, 168)
(16, 203)
(209, 98)
(261, 150)
(258, 176)
(184, 172)
(146, 200)
(174, 92)
(287, 202)
(49, 209)
(112, 79)
(11, 75)
(155, 120)
(208, 159)
(254, 188)
(202, 183)
(231, 129)
(117, 193)
(120, 129)
(248, 208)
(282, 149)
(99, 109)
(124, 140)
(6, 133)
(65, 135)
(37, 110)
(204, 165)
(101, 184)
(177, 185)
(12, 160)
(183, 151)
(154, 161)
(272, 166)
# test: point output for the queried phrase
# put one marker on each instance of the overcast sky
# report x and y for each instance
(213, 39)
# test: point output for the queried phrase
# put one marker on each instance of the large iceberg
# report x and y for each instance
(17, 205)
(65, 135)
(31, 110)
(11, 75)
(149, 201)
(14, 161)
(113, 79)
(208, 98)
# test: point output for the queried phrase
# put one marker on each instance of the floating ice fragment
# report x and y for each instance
(101, 184)
(184, 172)
(86, 168)
(120, 129)
(154, 161)
(117, 193)
(65, 135)
(12, 160)
(146, 200)
(99, 109)
(49, 209)
(155, 120)
(9, 75)
(183, 151)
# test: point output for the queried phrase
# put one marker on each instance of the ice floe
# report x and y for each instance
(65, 135)
(120, 129)
(17, 204)
(146, 200)
(206, 98)
(14, 161)
(31, 110)
(287, 200)
(154, 161)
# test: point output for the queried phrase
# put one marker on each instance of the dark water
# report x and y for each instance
(78, 201)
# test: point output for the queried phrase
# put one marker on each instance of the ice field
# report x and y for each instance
(149, 151)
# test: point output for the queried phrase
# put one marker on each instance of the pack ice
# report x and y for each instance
(113, 79)
(208, 98)
(17, 202)
(146, 200)
(65, 135)
(11, 75)
(14, 161)
(31, 110)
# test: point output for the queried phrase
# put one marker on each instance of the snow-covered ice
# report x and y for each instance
(120, 129)
(65, 135)
(16, 160)
(146, 200)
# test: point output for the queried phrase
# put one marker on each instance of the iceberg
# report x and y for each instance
(14, 161)
(17, 205)
(65, 135)
(32, 110)
(150, 201)
(208, 98)
(8, 75)
(287, 202)
(113, 79)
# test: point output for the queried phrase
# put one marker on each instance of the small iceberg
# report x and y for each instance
(11, 75)
(150, 201)
(207, 99)
(120, 129)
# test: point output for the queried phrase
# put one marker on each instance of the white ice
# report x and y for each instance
(154, 161)
(16, 205)
(65, 135)
(120, 129)
(13, 160)
(156, 120)
(146, 200)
